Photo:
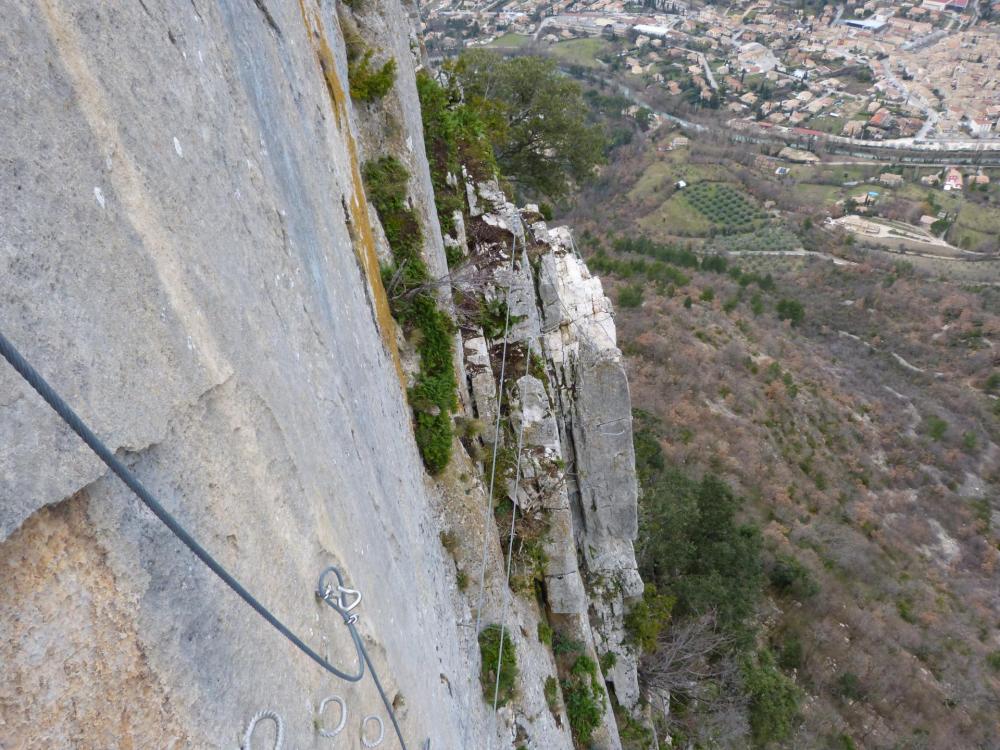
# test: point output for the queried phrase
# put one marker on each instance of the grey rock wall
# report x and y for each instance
(596, 424)
(183, 254)
(578, 463)
(186, 252)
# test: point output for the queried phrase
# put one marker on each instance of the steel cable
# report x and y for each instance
(41, 386)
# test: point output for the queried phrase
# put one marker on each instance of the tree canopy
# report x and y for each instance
(536, 120)
(725, 690)
(691, 545)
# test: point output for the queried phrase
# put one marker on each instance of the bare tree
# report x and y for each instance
(466, 284)
(694, 665)
(685, 655)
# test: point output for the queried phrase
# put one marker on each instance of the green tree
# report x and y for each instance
(774, 699)
(936, 427)
(536, 117)
(648, 617)
(690, 544)
(791, 578)
(790, 309)
(455, 137)
(630, 296)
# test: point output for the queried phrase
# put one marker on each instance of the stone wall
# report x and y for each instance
(186, 253)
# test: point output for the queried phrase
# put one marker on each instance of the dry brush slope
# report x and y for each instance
(832, 438)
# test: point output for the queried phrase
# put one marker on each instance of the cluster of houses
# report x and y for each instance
(952, 179)
(949, 179)
(869, 69)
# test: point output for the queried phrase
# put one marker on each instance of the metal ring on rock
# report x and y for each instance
(343, 716)
(381, 732)
(279, 739)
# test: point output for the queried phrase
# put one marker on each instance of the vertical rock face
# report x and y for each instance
(596, 420)
(188, 255)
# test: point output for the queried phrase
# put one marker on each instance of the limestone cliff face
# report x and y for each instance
(188, 254)
(572, 412)
(185, 252)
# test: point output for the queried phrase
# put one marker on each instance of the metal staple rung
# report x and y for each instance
(279, 738)
(343, 716)
(381, 732)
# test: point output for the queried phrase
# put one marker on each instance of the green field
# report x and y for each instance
(658, 175)
(699, 210)
(819, 195)
(975, 225)
(582, 52)
(839, 173)
(985, 219)
(676, 217)
(914, 191)
(825, 123)
(968, 239)
(510, 41)
(774, 238)
(670, 168)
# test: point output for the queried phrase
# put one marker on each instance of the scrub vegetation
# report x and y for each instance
(433, 395)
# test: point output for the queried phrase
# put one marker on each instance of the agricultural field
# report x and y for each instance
(836, 174)
(510, 42)
(583, 52)
(667, 170)
(820, 195)
(674, 217)
(725, 207)
(771, 238)
(670, 166)
(975, 225)
(659, 175)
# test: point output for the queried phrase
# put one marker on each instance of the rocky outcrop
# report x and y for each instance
(596, 424)
(571, 411)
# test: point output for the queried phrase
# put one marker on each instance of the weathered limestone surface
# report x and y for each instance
(187, 254)
(181, 254)
(578, 463)
(597, 425)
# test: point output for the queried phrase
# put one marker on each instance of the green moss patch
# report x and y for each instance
(433, 396)
(368, 82)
